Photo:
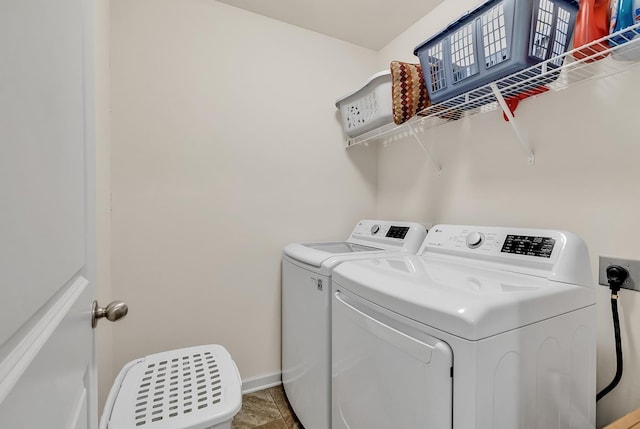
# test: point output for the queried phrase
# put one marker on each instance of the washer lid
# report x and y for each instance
(368, 237)
(341, 247)
(467, 301)
(316, 253)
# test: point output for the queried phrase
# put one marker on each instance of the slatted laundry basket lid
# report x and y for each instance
(191, 388)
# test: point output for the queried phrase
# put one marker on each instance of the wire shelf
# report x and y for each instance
(591, 61)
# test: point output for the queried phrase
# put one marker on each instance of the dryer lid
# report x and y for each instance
(470, 302)
(474, 281)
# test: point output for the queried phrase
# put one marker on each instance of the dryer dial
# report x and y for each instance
(474, 240)
(375, 229)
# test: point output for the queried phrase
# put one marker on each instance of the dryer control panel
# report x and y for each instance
(528, 245)
(541, 247)
(536, 251)
(494, 240)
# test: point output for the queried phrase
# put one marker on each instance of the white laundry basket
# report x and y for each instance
(191, 388)
(369, 107)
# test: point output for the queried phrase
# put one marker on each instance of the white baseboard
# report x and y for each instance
(260, 382)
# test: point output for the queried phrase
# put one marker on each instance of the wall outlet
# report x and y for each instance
(633, 282)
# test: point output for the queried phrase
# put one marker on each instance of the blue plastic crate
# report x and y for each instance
(499, 38)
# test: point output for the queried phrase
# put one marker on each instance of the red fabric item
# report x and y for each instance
(592, 23)
(514, 100)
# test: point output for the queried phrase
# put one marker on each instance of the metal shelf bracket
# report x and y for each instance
(512, 120)
(426, 150)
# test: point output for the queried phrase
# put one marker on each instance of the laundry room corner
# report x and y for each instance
(584, 180)
(225, 147)
(320, 214)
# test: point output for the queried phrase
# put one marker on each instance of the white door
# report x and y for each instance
(47, 362)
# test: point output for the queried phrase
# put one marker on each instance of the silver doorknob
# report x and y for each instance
(114, 311)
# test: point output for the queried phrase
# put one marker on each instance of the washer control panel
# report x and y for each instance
(389, 234)
(397, 232)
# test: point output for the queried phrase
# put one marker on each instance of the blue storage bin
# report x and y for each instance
(499, 38)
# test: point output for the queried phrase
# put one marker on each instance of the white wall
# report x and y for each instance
(585, 180)
(225, 146)
(103, 194)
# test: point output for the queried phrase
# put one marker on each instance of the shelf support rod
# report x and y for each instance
(427, 151)
(523, 143)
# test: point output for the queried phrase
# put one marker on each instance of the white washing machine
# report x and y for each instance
(306, 310)
(488, 328)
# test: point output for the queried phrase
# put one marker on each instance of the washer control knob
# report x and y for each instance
(375, 229)
(474, 240)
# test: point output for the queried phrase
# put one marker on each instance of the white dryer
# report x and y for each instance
(488, 328)
(306, 310)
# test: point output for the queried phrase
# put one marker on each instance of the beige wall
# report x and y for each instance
(585, 180)
(103, 194)
(226, 146)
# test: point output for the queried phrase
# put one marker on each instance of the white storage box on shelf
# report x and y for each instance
(191, 388)
(369, 107)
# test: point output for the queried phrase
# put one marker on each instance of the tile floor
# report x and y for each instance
(266, 409)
